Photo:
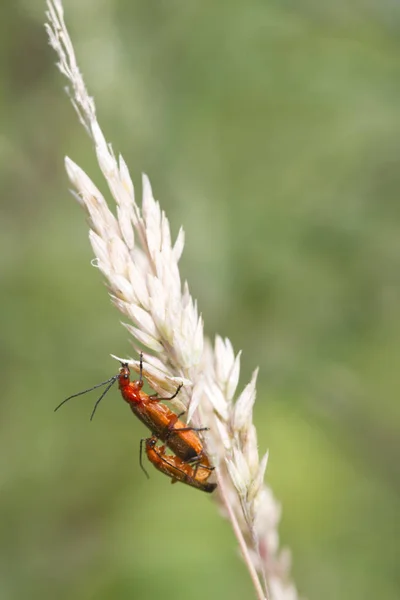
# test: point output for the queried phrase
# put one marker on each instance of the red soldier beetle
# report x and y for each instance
(175, 467)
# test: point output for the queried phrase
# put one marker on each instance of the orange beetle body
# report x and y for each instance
(177, 469)
(162, 422)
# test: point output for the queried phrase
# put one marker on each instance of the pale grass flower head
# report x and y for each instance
(140, 262)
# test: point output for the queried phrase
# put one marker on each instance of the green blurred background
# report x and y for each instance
(271, 131)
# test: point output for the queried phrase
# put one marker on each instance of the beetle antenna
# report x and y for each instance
(141, 367)
(141, 458)
(113, 378)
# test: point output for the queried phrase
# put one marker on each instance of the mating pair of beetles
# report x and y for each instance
(189, 464)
